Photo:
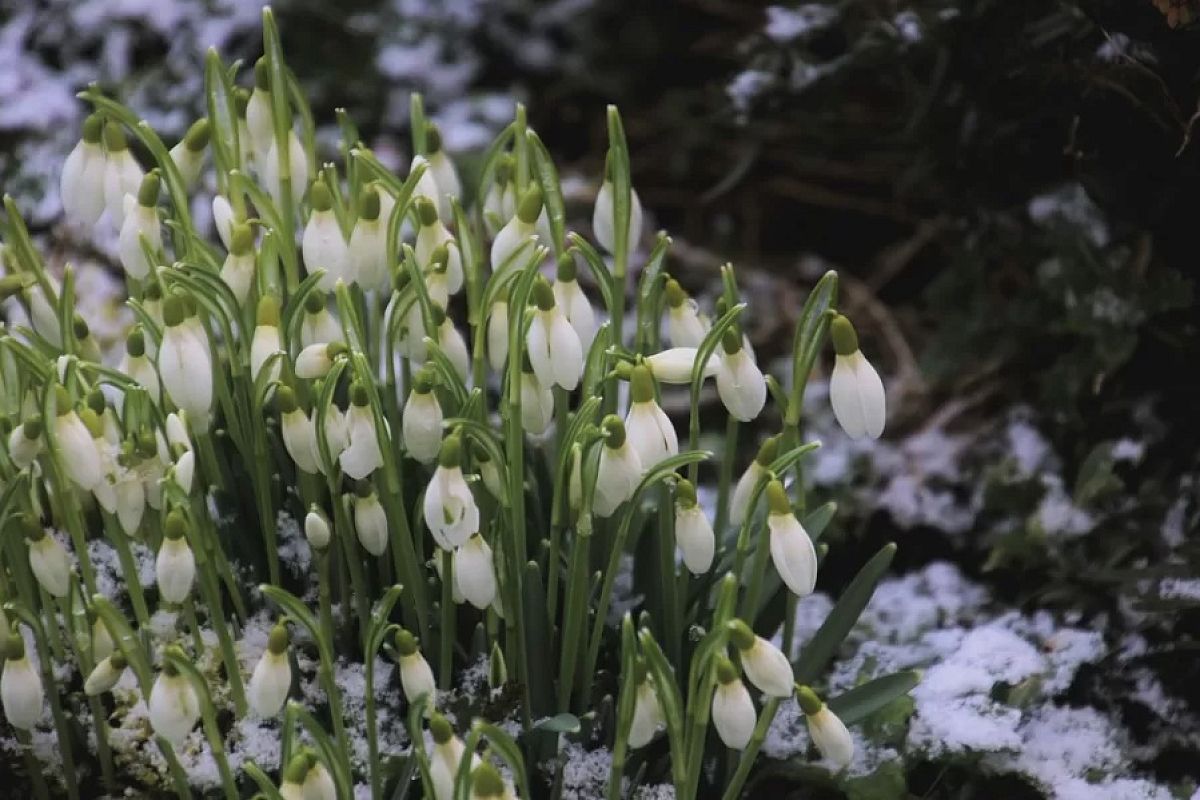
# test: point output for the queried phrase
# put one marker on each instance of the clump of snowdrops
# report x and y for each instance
(471, 443)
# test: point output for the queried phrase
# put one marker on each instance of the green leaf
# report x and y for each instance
(599, 269)
(810, 333)
(816, 521)
(862, 701)
(622, 193)
(552, 196)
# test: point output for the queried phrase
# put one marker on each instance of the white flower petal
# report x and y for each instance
(793, 554)
(733, 714)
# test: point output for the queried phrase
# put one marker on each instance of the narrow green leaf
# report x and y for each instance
(862, 701)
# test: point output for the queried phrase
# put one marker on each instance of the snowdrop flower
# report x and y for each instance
(291, 786)
(131, 498)
(693, 532)
(619, 471)
(240, 264)
(675, 365)
(828, 732)
(297, 430)
(184, 470)
(174, 706)
(337, 432)
(318, 784)
(82, 184)
(122, 174)
(648, 717)
(367, 251)
(316, 360)
(573, 302)
(432, 235)
(105, 675)
(855, 390)
(370, 521)
(733, 711)
(427, 186)
(448, 753)
(21, 691)
(141, 223)
(75, 445)
(188, 154)
(443, 172)
(740, 383)
(48, 560)
(792, 550)
(555, 352)
(267, 339)
(318, 325)
(474, 572)
(646, 424)
(185, 365)
(316, 528)
(363, 456)
(487, 784)
(518, 230)
(223, 219)
(452, 343)
(500, 202)
(685, 325)
(298, 164)
(450, 510)
(259, 121)
(416, 676)
(537, 402)
(25, 442)
(322, 244)
(759, 468)
(175, 566)
(603, 224)
(268, 687)
(137, 365)
(421, 420)
(497, 332)
(102, 641)
(765, 666)
(490, 474)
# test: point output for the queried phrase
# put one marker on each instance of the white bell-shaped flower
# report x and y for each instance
(240, 265)
(21, 692)
(367, 250)
(319, 783)
(174, 707)
(740, 383)
(267, 689)
(75, 445)
(450, 509)
(675, 365)
(686, 327)
(500, 201)
(555, 352)
(316, 528)
(427, 186)
(175, 565)
(185, 365)
(296, 428)
(443, 172)
(298, 163)
(363, 456)
(792, 550)
(82, 184)
(448, 753)
(537, 404)
(764, 664)
(102, 641)
(827, 731)
(743, 491)
(105, 675)
(370, 520)
(323, 245)
(318, 326)
(648, 718)
(267, 338)
(421, 420)
(259, 122)
(42, 312)
(855, 389)
(223, 219)
(518, 230)
(646, 424)
(140, 230)
(733, 713)
(48, 560)
(291, 784)
(316, 360)
(474, 572)
(137, 365)
(25, 442)
(416, 676)
(184, 471)
(497, 333)
(603, 224)
(131, 501)
(575, 306)
(433, 235)
(188, 153)
(337, 431)
(452, 343)
(619, 470)
(122, 174)
(693, 532)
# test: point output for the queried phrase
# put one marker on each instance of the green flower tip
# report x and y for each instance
(32, 429)
(768, 451)
(685, 493)
(336, 349)
(808, 700)
(530, 207)
(423, 381)
(368, 203)
(14, 649)
(175, 526)
(117, 660)
(96, 401)
(486, 781)
(358, 395)
(114, 137)
(241, 240)
(479, 452)
(170, 653)
(285, 399)
(93, 129)
(297, 768)
(426, 211)
(845, 339)
(641, 384)
(80, 328)
(320, 197)
(731, 341)
(152, 293)
(450, 455)
(262, 74)
(614, 431)
(314, 302)
(174, 311)
(406, 643)
(268, 311)
(567, 270)
(439, 728)
(505, 167)
(740, 634)
(726, 671)
(543, 294)
(363, 489)
(439, 315)
(639, 670)
(62, 401)
(34, 531)
(135, 342)
(147, 445)
(777, 499)
(13, 284)
(197, 136)
(277, 642)
(676, 296)
(401, 280)
(241, 99)
(91, 421)
(439, 258)
(433, 138)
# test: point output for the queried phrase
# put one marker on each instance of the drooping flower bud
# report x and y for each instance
(174, 707)
(792, 550)
(675, 365)
(740, 383)
(298, 164)
(188, 153)
(238, 269)
(367, 251)
(518, 230)
(370, 521)
(603, 224)
(647, 425)
(686, 327)
(733, 711)
(449, 507)
(739, 506)
(21, 692)
(175, 566)
(855, 389)
(47, 559)
(363, 456)
(421, 420)
(296, 428)
(316, 360)
(416, 676)
(474, 572)
(122, 174)
(140, 230)
(185, 365)
(648, 718)
(575, 306)
(82, 185)
(105, 675)
(693, 532)
(268, 687)
(267, 339)
(76, 447)
(537, 402)
(765, 666)
(828, 732)
(323, 245)
(619, 471)
(25, 442)
(555, 351)
(316, 528)
(443, 171)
